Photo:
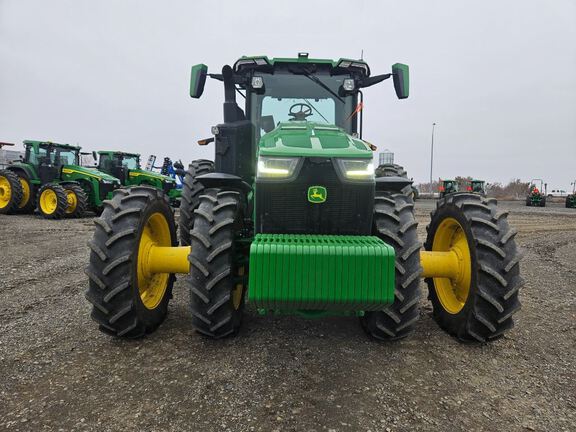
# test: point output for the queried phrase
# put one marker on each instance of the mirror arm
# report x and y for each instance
(370, 81)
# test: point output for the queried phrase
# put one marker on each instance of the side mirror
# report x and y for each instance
(197, 80)
(401, 75)
(94, 155)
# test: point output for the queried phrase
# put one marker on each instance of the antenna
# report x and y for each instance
(362, 54)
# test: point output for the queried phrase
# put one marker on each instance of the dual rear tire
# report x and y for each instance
(56, 201)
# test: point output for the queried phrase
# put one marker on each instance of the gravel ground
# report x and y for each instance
(281, 373)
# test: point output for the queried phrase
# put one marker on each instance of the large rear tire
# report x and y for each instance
(479, 306)
(191, 191)
(218, 264)
(126, 302)
(394, 223)
(11, 192)
(52, 201)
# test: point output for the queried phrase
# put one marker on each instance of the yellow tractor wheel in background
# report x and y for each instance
(52, 201)
(477, 299)
(28, 202)
(77, 200)
(129, 294)
(10, 192)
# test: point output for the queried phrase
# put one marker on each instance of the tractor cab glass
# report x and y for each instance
(64, 156)
(34, 158)
(131, 162)
(291, 97)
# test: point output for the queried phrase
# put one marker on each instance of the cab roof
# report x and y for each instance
(245, 62)
(118, 152)
(48, 143)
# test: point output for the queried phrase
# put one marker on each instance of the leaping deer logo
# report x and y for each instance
(317, 194)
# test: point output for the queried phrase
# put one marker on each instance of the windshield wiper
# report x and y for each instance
(317, 80)
(316, 109)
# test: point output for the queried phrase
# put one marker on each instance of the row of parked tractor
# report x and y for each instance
(50, 178)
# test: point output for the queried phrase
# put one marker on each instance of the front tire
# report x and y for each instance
(394, 223)
(478, 307)
(52, 201)
(189, 201)
(126, 302)
(217, 265)
(77, 200)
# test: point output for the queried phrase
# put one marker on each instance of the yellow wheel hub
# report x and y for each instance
(25, 192)
(151, 283)
(72, 201)
(48, 201)
(5, 192)
(450, 265)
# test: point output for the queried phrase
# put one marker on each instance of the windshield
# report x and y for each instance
(130, 162)
(293, 97)
(65, 157)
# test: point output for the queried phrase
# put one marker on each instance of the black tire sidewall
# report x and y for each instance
(458, 321)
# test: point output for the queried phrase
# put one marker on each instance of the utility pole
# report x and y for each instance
(432, 158)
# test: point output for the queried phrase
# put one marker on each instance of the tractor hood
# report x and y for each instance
(89, 172)
(150, 174)
(302, 138)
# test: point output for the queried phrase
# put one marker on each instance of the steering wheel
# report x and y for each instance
(304, 111)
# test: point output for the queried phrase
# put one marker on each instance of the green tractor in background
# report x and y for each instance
(448, 187)
(477, 186)
(51, 179)
(291, 218)
(537, 196)
(126, 167)
(571, 199)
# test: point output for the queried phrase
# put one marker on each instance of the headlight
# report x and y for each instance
(357, 169)
(276, 167)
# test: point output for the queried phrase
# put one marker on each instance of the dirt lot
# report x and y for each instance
(281, 373)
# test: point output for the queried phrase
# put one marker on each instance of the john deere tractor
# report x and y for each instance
(126, 167)
(448, 187)
(537, 196)
(571, 199)
(291, 219)
(51, 179)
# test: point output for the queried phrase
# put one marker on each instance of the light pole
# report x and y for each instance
(432, 158)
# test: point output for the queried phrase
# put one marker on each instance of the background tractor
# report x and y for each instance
(387, 168)
(448, 187)
(291, 218)
(51, 179)
(537, 196)
(126, 167)
(477, 186)
(571, 199)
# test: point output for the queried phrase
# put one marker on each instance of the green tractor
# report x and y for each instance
(537, 196)
(448, 187)
(571, 199)
(291, 219)
(477, 186)
(51, 179)
(126, 167)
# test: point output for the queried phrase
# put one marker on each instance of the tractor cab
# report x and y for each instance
(448, 187)
(477, 186)
(118, 164)
(49, 158)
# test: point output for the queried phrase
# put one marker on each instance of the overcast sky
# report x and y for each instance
(498, 77)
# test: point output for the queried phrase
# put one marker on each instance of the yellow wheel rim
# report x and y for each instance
(238, 291)
(5, 192)
(48, 201)
(152, 287)
(72, 201)
(25, 192)
(453, 293)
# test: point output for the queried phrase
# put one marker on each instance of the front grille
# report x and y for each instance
(283, 207)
